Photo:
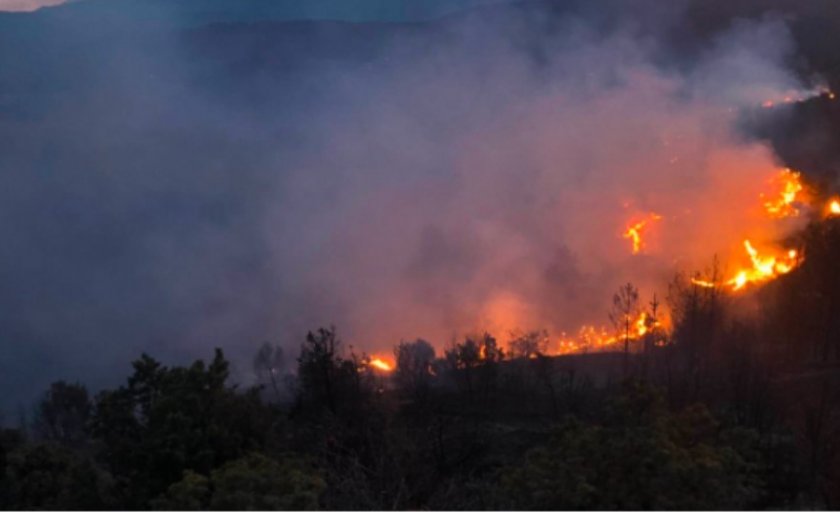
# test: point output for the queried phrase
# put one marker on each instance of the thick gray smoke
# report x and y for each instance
(225, 185)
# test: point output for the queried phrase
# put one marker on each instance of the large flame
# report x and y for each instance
(764, 267)
(785, 204)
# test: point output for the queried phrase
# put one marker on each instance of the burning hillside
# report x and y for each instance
(786, 197)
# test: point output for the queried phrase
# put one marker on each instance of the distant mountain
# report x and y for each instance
(197, 12)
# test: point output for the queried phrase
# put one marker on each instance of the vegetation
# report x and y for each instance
(733, 411)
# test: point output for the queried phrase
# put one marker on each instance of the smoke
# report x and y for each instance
(475, 188)
(236, 184)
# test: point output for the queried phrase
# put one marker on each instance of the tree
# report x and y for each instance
(47, 476)
(192, 492)
(475, 359)
(414, 366)
(253, 482)
(462, 359)
(168, 420)
(642, 457)
(625, 310)
(256, 482)
(268, 365)
(319, 364)
(63, 413)
(327, 380)
(529, 345)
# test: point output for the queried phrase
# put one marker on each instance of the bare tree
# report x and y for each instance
(268, 365)
(625, 310)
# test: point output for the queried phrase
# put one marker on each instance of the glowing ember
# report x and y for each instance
(785, 204)
(833, 208)
(703, 283)
(381, 365)
(634, 232)
(798, 97)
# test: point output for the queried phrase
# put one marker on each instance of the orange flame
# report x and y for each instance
(593, 338)
(634, 232)
(785, 204)
(703, 283)
(381, 365)
(832, 208)
(763, 268)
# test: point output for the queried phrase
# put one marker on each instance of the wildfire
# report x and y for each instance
(785, 205)
(763, 268)
(590, 337)
(761, 261)
(634, 232)
(380, 364)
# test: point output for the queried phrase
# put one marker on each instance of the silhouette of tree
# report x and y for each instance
(319, 365)
(529, 344)
(625, 310)
(168, 420)
(63, 413)
(268, 365)
(51, 477)
(253, 482)
(414, 366)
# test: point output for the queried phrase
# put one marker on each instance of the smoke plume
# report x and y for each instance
(232, 184)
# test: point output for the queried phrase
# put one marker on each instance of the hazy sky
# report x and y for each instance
(27, 5)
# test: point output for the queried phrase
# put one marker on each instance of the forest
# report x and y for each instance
(728, 410)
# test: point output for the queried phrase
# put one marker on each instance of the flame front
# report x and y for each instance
(592, 338)
(764, 267)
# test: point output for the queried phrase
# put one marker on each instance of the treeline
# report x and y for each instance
(738, 408)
